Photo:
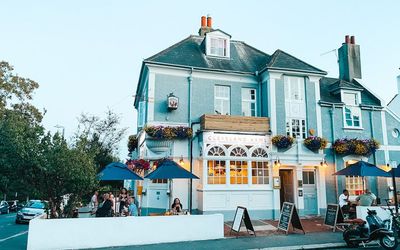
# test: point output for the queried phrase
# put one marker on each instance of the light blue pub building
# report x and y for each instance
(236, 98)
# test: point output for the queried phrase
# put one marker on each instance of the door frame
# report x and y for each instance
(316, 183)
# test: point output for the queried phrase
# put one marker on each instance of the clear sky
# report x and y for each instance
(86, 55)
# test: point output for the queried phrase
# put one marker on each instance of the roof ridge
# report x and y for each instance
(392, 99)
(281, 51)
(273, 57)
(169, 48)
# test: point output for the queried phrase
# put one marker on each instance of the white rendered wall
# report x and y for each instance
(122, 231)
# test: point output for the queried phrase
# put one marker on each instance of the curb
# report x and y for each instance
(311, 246)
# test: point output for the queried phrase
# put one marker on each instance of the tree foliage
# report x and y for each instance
(34, 162)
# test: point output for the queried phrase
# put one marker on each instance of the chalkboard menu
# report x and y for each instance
(242, 215)
(289, 216)
(333, 216)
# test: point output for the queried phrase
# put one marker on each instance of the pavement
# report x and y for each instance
(12, 236)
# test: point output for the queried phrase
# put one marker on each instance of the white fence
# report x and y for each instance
(122, 231)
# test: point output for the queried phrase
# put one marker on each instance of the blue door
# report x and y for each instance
(310, 193)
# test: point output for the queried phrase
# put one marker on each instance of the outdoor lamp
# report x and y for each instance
(323, 163)
(277, 163)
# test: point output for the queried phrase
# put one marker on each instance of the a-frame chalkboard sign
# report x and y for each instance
(289, 215)
(333, 216)
(242, 215)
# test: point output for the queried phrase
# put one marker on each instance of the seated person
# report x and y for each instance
(366, 199)
(105, 209)
(177, 206)
(132, 209)
(344, 202)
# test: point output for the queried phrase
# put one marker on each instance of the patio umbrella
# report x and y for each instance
(169, 169)
(117, 171)
(363, 169)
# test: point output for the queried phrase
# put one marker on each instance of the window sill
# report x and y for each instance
(218, 56)
(353, 128)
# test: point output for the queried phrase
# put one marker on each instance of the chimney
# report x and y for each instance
(206, 25)
(349, 60)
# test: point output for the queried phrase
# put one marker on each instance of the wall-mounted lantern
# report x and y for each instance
(173, 101)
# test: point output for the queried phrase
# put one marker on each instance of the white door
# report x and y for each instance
(310, 192)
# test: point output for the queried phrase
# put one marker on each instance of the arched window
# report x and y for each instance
(216, 151)
(259, 153)
(238, 152)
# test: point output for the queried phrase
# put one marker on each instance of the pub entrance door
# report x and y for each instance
(286, 192)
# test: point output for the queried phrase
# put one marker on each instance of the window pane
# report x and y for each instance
(350, 99)
(248, 102)
(216, 172)
(311, 178)
(222, 100)
(305, 177)
(238, 172)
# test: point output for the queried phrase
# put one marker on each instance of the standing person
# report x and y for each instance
(177, 206)
(94, 202)
(132, 209)
(112, 199)
(123, 199)
(344, 202)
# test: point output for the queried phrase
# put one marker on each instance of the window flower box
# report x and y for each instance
(363, 147)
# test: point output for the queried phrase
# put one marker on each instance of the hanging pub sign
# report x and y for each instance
(173, 101)
(333, 216)
(289, 216)
(242, 215)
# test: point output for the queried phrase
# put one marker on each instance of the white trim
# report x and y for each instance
(250, 100)
(298, 73)
(206, 74)
(384, 134)
(315, 80)
(151, 96)
(272, 100)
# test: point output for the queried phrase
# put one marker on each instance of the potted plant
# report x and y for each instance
(132, 143)
(282, 141)
(315, 143)
(138, 165)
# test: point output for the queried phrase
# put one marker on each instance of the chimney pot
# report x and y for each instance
(209, 22)
(352, 40)
(203, 21)
(347, 39)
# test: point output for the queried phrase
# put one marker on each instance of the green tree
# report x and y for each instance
(100, 137)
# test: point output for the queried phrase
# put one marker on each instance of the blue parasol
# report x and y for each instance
(363, 168)
(168, 169)
(117, 171)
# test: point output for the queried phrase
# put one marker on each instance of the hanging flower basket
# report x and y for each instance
(282, 141)
(315, 143)
(138, 166)
(168, 133)
(364, 147)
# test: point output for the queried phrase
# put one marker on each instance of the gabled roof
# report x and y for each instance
(223, 32)
(283, 61)
(329, 85)
(190, 52)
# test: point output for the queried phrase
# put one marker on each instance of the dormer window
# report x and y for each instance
(351, 109)
(218, 47)
(218, 44)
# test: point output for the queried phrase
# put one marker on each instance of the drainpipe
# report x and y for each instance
(371, 116)
(191, 165)
(259, 96)
(190, 80)
(332, 114)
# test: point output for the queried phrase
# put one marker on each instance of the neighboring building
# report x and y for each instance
(236, 98)
(394, 104)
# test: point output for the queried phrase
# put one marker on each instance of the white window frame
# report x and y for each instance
(218, 36)
(289, 127)
(223, 99)
(246, 103)
(300, 85)
(351, 106)
(141, 113)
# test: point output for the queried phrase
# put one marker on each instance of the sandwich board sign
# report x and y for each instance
(242, 215)
(289, 215)
(333, 216)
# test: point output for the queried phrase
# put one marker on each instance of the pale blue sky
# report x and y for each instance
(86, 55)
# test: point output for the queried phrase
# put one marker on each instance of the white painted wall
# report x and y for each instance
(122, 231)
